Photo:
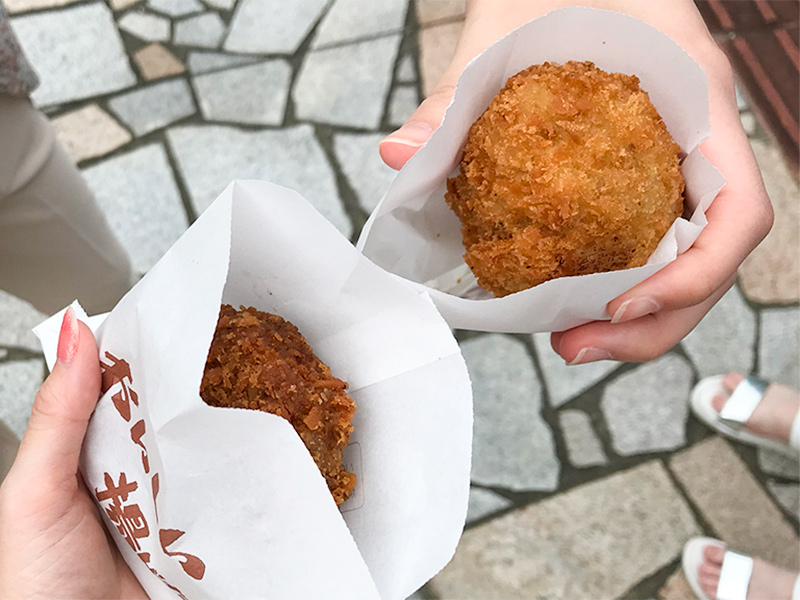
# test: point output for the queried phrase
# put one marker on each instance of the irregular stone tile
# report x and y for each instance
(155, 61)
(254, 94)
(145, 26)
(724, 340)
(175, 8)
(787, 495)
(406, 71)
(771, 273)
(484, 502)
(362, 165)
(210, 156)
(437, 10)
(346, 85)
(221, 4)
(69, 65)
(18, 6)
(594, 541)
(512, 445)
(564, 382)
(203, 62)
(676, 587)
(779, 346)
(349, 20)
(741, 101)
(437, 45)
(89, 132)
(272, 26)
(646, 408)
(19, 381)
(204, 31)
(17, 318)
(138, 195)
(734, 504)
(775, 463)
(402, 105)
(749, 123)
(154, 106)
(583, 445)
(122, 4)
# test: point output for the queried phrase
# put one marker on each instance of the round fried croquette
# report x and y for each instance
(569, 171)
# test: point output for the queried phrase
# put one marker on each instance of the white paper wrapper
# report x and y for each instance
(241, 485)
(414, 234)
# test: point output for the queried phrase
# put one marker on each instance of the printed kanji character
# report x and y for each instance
(137, 432)
(194, 567)
(119, 371)
(129, 520)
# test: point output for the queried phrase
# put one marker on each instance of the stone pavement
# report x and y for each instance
(586, 480)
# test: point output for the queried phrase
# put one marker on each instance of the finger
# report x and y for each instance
(400, 145)
(478, 33)
(702, 269)
(738, 219)
(641, 340)
(52, 442)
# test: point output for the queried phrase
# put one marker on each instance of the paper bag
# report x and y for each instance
(208, 502)
(414, 234)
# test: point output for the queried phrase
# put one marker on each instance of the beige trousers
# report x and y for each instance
(55, 243)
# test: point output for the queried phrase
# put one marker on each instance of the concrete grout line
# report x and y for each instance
(347, 195)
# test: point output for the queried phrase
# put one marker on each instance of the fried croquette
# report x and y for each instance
(259, 361)
(569, 171)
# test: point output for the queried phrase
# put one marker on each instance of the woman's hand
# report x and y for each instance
(52, 541)
(656, 314)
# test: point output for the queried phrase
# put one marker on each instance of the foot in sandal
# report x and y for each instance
(716, 573)
(750, 411)
(773, 416)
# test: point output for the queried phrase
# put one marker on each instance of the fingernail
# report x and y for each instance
(587, 355)
(410, 134)
(635, 308)
(68, 338)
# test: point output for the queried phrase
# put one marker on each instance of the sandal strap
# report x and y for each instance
(734, 578)
(743, 400)
(794, 439)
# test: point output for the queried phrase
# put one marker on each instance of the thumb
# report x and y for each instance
(400, 145)
(52, 442)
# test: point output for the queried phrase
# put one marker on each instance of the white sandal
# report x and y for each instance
(734, 577)
(740, 405)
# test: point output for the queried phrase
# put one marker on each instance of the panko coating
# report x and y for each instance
(260, 361)
(569, 171)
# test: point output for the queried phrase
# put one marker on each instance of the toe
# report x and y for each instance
(718, 401)
(714, 555)
(731, 380)
(709, 586)
(708, 571)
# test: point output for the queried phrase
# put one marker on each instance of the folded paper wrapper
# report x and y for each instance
(232, 496)
(413, 233)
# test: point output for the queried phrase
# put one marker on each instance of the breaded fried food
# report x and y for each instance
(259, 361)
(569, 171)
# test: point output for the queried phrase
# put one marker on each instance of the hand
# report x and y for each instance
(52, 541)
(656, 314)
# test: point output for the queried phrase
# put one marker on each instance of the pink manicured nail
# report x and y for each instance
(68, 338)
(635, 308)
(587, 355)
(410, 134)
